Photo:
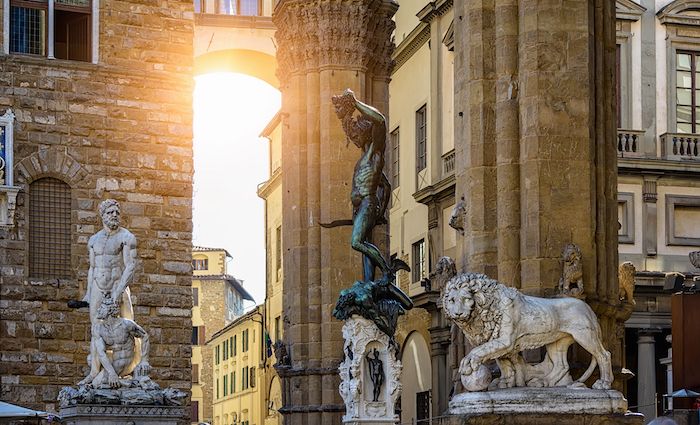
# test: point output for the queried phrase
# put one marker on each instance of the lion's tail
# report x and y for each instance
(587, 374)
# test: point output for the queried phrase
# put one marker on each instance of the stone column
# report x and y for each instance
(535, 154)
(646, 375)
(324, 47)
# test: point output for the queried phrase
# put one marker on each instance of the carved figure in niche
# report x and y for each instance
(500, 322)
(625, 274)
(111, 332)
(457, 216)
(571, 282)
(376, 373)
(112, 253)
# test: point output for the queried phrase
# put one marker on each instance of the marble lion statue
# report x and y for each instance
(571, 282)
(500, 322)
(625, 274)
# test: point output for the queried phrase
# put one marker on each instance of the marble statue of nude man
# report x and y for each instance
(111, 332)
(112, 253)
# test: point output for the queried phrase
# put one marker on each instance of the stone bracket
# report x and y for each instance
(8, 203)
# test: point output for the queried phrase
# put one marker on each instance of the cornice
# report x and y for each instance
(674, 13)
(443, 189)
(628, 10)
(234, 21)
(411, 44)
(265, 188)
(434, 9)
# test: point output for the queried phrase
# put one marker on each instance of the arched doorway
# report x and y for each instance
(416, 380)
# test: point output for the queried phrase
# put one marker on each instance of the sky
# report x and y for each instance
(230, 160)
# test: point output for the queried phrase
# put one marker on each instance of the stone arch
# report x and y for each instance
(244, 61)
(677, 8)
(51, 162)
(274, 396)
(417, 374)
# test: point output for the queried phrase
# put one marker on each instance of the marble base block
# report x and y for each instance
(539, 401)
(95, 414)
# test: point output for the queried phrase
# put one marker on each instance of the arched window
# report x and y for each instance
(49, 229)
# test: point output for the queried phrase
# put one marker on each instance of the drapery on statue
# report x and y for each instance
(380, 301)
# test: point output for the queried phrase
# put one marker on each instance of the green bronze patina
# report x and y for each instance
(378, 300)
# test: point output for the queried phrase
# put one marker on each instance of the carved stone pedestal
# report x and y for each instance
(556, 406)
(95, 414)
(370, 374)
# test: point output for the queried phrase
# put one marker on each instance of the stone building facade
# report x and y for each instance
(114, 123)
(217, 300)
(656, 190)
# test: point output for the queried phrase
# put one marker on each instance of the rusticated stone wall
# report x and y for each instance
(121, 128)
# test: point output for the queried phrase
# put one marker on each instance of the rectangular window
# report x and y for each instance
(278, 248)
(687, 92)
(233, 382)
(239, 7)
(234, 345)
(218, 358)
(72, 23)
(395, 167)
(225, 385)
(195, 373)
(195, 335)
(418, 269)
(423, 408)
(217, 387)
(200, 264)
(50, 229)
(195, 411)
(195, 297)
(202, 335)
(230, 344)
(252, 377)
(226, 350)
(421, 138)
(278, 329)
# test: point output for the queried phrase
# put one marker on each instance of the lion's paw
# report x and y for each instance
(602, 385)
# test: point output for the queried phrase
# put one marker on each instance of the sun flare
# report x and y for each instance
(230, 160)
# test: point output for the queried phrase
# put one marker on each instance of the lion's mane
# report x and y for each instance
(490, 300)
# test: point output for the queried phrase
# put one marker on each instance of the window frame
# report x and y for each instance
(418, 269)
(217, 8)
(421, 117)
(395, 146)
(51, 6)
(32, 271)
(694, 104)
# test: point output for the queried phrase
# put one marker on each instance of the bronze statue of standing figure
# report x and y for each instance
(371, 192)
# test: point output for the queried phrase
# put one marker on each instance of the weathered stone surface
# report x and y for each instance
(539, 401)
(120, 129)
(547, 419)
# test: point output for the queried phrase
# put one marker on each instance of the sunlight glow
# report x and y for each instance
(230, 160)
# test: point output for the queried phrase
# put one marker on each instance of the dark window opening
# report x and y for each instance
(50, 229)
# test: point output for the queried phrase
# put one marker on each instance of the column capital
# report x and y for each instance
(318, 34)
